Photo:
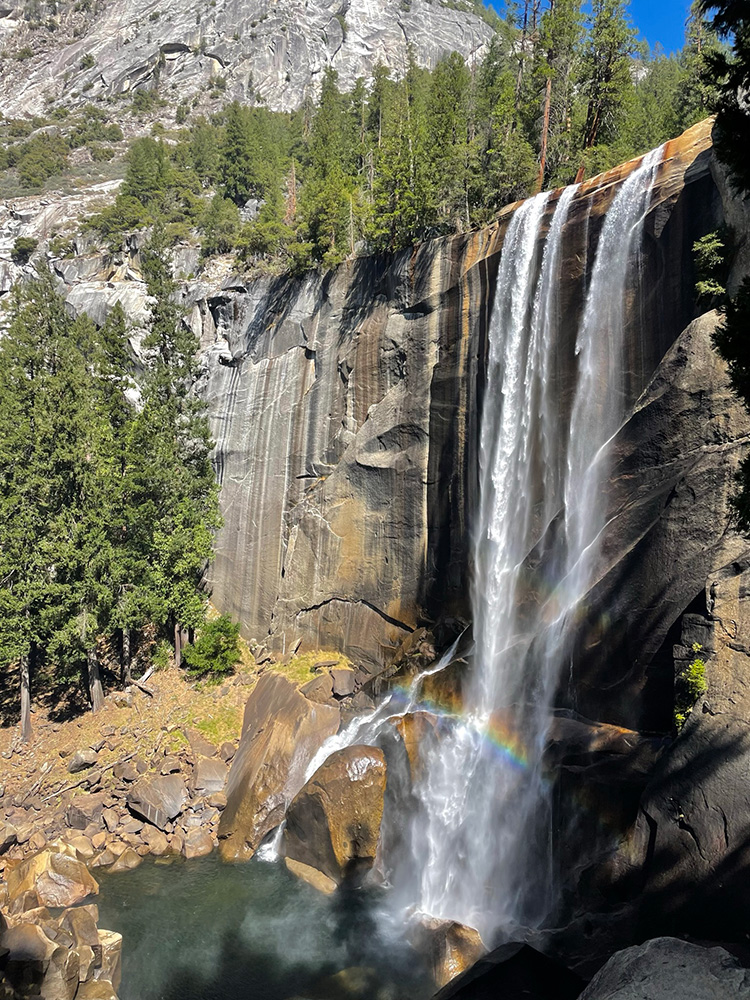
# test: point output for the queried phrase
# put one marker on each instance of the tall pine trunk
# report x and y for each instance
(126, 675)
(25, 699)
(96, 691)
(177, 645)
(545, 134)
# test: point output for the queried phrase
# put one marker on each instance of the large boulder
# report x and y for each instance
(209, 775)
(33, 959)
(669, 969)
(281, 732)
(449, 947)
(158, 798)
(333, 823)
(53, 876)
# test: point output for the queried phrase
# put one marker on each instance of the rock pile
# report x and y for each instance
(57, 957)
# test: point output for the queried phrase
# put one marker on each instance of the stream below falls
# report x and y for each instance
(206, 930)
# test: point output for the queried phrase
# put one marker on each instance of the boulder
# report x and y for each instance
(418, 732)
(55, 878)
(514, 972)
(109, 958)
(333, 823)
(80, 921)
(96, 989)
(128, 859)
(200, 746)
(670, 969)
(343, 680)
(86, 809)
(312, 876)
(31, 956)
(125, 771)
(158, 799)
(198, 843)
(281, 732)
(449, 947)
(81, 760)
(8, 836)
(319, 689)
(209, 776)
(227, 751)
(156, 841)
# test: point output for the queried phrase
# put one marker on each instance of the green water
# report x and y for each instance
(203, 930)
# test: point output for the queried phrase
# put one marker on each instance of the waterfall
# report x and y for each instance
(478, 844)
(481, 835)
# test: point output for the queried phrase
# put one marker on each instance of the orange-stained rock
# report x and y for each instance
(281, 732)
(449, 947)
(333, 823)
(54, 877)
(418, 732)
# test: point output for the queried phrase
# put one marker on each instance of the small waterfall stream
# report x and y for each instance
(479, 847)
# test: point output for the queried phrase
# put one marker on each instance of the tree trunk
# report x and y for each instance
(25, 700)
(177, 645)
(126, 658)
(96, 691)
(545, 134)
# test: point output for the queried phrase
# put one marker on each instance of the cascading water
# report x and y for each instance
(478, 849)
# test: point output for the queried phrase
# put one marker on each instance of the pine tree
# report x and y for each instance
(605, 72)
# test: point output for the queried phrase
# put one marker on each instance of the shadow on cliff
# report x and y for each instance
(684, 869)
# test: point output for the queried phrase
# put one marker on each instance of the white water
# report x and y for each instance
(478, 849)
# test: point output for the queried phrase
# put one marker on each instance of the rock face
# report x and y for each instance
(345, 411)
(669, 969)
(281, 732)
(276, 50)
(333, 823)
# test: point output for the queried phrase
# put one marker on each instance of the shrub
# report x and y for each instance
(87, 62)
(216, 650)
(690, 684)
(22, 250)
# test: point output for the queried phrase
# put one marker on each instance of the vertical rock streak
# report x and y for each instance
(481, 834)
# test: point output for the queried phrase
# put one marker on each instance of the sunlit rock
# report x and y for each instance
(333, 823)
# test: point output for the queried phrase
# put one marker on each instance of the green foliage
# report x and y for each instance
(216, 651)
(23, 248)
(690, 685)
(728, 71)
(87, 62)
(108, 511)
(712, 256)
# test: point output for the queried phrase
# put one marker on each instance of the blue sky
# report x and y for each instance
(661, 21)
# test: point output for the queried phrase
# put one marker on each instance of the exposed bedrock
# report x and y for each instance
(346, 426)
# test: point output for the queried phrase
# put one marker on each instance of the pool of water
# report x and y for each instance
(205, 930)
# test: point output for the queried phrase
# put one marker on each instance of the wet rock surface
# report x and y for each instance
(333, 823)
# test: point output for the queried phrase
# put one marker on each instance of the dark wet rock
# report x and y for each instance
(158, 799)
(514, 971)
(281, 732)
(333, 823)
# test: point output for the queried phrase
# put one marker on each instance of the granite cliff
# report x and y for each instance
(277, 50)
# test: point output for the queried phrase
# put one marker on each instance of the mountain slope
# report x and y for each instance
(277, 48)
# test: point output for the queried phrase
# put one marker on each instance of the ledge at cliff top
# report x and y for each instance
(346, 423)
